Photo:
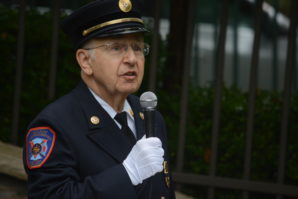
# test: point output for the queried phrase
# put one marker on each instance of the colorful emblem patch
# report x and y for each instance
(39, 145)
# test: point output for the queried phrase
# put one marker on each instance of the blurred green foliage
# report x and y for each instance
(266, 135)
(36, 67)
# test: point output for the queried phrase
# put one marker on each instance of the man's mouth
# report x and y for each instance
(129, 75)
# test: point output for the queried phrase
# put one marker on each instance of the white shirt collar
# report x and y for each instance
(110, 110)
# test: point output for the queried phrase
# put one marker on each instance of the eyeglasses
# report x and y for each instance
(119, 48)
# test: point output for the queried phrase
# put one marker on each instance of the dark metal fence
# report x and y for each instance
(280, 188)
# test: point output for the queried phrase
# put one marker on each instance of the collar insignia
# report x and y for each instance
(142, 116)
(131, 113)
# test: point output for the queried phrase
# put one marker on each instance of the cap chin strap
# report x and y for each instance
(112, 22)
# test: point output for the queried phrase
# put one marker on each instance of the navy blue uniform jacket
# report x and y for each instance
(86, 158)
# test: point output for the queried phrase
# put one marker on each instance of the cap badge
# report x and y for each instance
(125, 5)
(94, 120)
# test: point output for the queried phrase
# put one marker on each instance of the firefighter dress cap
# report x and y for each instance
(103, 18)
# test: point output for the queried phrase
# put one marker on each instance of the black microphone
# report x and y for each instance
(148, 102)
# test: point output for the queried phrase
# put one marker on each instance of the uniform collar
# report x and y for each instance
(102, 129)
(109, 109)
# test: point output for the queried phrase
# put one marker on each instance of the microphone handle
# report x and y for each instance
(149, 123)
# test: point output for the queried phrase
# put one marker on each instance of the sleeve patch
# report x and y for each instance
(39, 145)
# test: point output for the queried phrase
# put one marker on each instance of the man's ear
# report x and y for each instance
(84, 59)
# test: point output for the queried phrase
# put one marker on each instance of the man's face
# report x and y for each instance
(117, 64)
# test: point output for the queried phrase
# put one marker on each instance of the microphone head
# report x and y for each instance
(148, 100)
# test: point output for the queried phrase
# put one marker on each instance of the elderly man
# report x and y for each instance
(90, 143)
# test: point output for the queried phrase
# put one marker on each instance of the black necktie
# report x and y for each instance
(122, 119)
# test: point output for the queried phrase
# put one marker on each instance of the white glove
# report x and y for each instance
(144, 160)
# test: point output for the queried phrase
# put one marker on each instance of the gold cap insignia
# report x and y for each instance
(94, 120)
(125, 5)
(142, 115)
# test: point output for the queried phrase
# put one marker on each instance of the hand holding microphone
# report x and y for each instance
(146, 157)
(144, 160)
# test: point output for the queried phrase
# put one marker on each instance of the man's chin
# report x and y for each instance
(130, 90)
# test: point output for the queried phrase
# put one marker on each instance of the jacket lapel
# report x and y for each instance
(102, 129)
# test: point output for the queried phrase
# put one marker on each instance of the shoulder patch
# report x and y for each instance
(39, 145)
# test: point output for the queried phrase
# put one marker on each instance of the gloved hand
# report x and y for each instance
(144, 160)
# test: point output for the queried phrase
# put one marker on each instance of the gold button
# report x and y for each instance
(165, 167)
(167, 179)
(94, 120)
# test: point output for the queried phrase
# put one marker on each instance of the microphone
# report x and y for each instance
(148, 102)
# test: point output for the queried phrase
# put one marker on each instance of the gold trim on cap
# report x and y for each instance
(112, 22)
(125, 5)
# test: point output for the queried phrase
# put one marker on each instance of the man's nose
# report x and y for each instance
(130, 55)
